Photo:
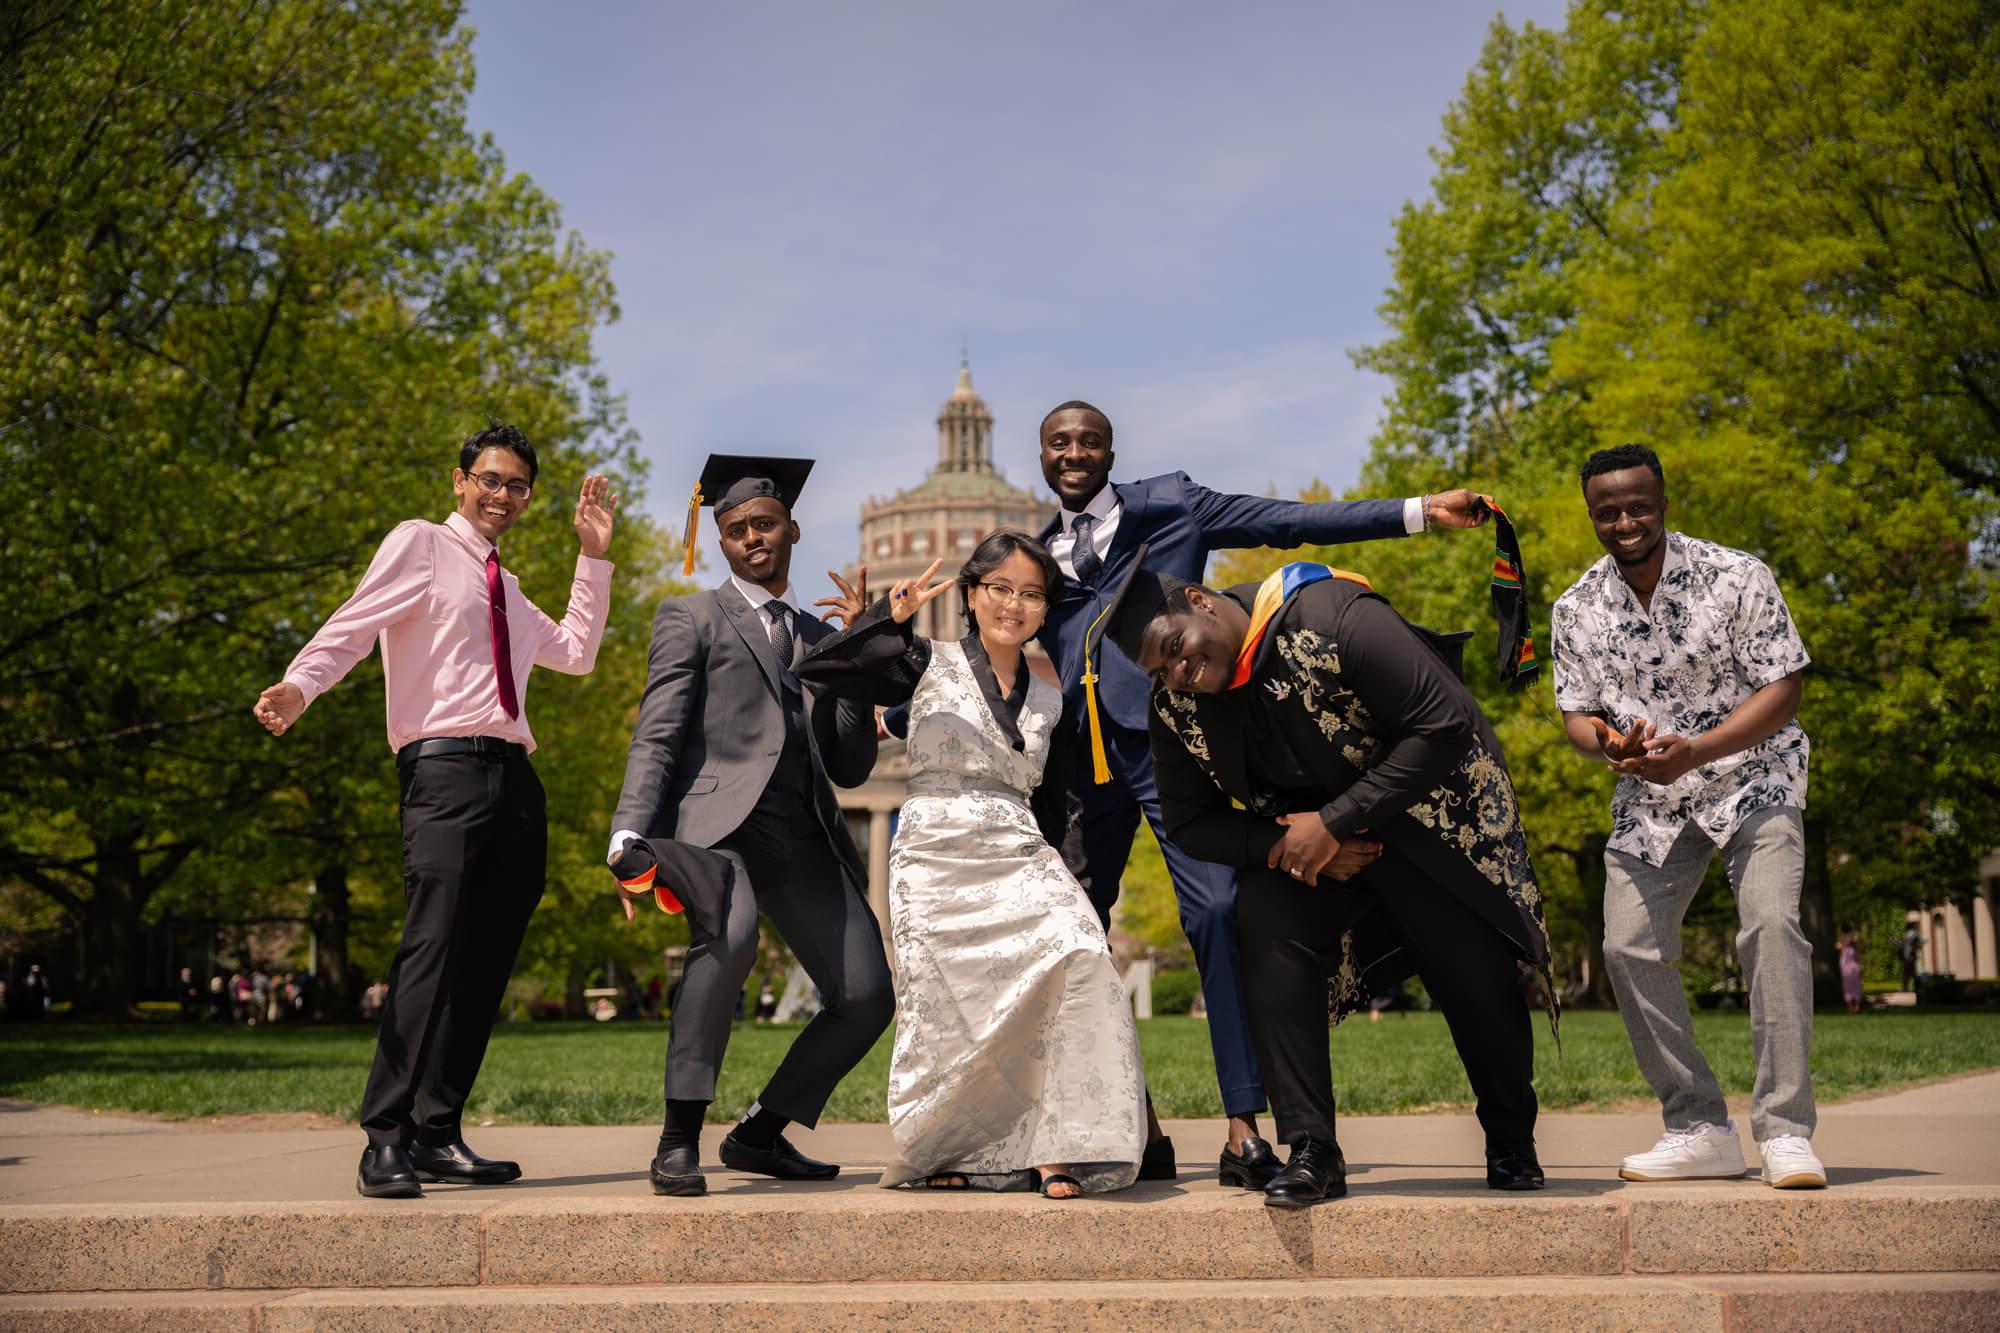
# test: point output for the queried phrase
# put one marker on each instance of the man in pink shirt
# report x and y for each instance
(458, 641)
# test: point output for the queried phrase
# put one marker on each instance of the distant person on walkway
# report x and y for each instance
(1677, 665)
(188, 991)
(1308, 737)
(733, 755)
(1850, 966)
(459, 639)
(1017, 1060)
(29, 1002)
(1908, 950)
(221, 1003)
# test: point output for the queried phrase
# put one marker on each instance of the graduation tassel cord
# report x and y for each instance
(687, 536)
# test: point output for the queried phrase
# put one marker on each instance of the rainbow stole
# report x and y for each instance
(1272, 594)
(1506, 581)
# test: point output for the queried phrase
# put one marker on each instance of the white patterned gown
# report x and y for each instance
(1015, 1045)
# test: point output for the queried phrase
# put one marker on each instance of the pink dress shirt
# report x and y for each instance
(424, 596)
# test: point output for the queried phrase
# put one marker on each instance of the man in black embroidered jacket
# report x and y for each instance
(1304, 732)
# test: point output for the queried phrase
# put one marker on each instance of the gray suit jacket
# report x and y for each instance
(711, 727)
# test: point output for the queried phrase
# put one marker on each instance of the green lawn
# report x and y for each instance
(592, 1074)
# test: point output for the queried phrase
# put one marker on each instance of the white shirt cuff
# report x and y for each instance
(1413, 515)
(618, 841)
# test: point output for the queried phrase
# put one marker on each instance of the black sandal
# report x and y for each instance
(1043, 1182)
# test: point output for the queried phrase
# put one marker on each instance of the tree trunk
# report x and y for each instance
(108, 982)
(332, 911)
(573, 985)
(1816, 918)
(1590, 878)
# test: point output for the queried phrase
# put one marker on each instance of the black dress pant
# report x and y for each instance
(1290, 936)
(785, 868)
(475, 859)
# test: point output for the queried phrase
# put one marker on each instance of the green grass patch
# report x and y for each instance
(607, 1074)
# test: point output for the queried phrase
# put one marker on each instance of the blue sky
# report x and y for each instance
(1181, 212)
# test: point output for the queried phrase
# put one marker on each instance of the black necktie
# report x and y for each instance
(781, 632)
(1083, 555)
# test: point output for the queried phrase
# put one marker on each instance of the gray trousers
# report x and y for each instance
(786, 870)
(1643, 909)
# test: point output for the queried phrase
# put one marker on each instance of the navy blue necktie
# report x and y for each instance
(1083, 555)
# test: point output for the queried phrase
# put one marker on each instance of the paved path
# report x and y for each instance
(1943, 1134)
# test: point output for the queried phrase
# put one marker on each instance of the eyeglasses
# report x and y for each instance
(1032, 598)
(493, 484)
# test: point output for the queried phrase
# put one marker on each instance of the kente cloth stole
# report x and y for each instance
(1272, 594)
(1510, 603)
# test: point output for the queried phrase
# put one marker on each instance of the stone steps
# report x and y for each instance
(1682, 1304)
(1162, 1233)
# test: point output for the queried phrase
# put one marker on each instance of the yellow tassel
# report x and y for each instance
(1100, 767)
(687, 537)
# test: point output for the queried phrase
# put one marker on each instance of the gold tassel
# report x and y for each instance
(687, 537)
(1100, 767)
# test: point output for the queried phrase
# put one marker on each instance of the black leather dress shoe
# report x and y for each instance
(1157, 1162)
(386, 1173)
(1316, 1171)
(678, 1171)
(1514, 1168)
(1252, 1168)
(781, 1160)
(456, 1164)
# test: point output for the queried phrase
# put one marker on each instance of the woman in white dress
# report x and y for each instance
(1016, 1059)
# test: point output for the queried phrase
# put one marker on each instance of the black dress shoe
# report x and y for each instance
(386, 1173)
(1157, 1162)
(1317, 1171)
(781, 1160)
(678, 1171)
(1252, 1168)
(457, 1164)
(1513, 1168)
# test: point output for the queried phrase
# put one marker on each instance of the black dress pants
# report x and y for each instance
(1290, 936)
(786, 869)
(475, 859)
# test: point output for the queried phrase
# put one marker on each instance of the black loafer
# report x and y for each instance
(780, 1160)
(1514, 1168)
(1316, 1172)
(386, 1173)
(678, 1171)
(1157, 1162)
(456, 1164)
(1250, 1169)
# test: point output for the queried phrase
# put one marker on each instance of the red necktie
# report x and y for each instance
(503, 659)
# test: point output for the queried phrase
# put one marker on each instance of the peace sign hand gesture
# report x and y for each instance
(908, 597)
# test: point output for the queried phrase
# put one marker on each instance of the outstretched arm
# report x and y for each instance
(666, 711)
(1248, 520)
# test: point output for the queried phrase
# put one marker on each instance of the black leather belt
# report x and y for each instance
(491, 746)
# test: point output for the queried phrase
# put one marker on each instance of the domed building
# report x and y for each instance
(949, 512)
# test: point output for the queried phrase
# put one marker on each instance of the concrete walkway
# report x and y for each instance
(1942, 1134)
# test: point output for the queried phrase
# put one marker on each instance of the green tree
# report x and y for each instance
(259, 276)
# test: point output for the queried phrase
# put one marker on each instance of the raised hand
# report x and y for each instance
(278, 707)
(853, 599)
(908, 596)
(596, 504)
(1458, 509)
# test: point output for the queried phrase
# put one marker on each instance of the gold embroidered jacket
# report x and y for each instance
(1351, 707)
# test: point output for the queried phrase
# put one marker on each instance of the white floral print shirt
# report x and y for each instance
(1717, 632)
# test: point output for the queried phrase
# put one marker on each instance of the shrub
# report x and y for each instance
(1174, 991)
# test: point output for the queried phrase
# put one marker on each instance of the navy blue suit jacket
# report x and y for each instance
(1183, 522)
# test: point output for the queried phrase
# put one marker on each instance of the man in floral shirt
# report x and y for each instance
(1676, 664)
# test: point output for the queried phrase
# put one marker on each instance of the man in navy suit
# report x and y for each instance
(1101, 525)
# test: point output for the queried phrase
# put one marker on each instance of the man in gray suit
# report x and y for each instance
(733, 754)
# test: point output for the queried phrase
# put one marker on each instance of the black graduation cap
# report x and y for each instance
(679, 875)
(728, 480)
(1130, 608)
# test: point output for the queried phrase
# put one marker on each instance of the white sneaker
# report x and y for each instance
(1699, 1152)
(1789, 1164)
